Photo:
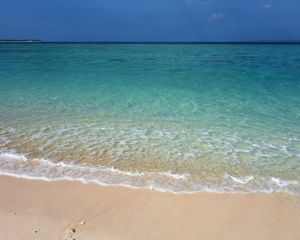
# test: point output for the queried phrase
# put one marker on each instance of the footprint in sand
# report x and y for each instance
(71, 231)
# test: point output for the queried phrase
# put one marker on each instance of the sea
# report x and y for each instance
(181, 118)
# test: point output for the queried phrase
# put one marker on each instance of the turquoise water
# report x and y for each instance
(176, 117)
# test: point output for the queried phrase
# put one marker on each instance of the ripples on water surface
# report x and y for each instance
(171, 117)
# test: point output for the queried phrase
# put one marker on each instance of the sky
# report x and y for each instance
(150, 20)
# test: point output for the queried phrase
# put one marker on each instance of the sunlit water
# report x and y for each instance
(181, 118)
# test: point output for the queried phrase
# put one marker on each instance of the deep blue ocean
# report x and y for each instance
(174, 117)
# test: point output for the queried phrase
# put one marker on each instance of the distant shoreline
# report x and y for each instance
(19, 41)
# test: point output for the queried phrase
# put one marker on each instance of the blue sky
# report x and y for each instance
(150, 20)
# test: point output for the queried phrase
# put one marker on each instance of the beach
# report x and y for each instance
(150, 120)
(149, 141)
(64, 210)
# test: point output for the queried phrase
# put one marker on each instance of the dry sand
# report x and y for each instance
(68, 210)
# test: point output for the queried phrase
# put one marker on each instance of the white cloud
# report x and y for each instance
(199, 2)
(267, 6)
(215, 16)
(188, 1)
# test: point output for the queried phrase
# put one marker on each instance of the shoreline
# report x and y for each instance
(18, 165)
(146, 188)
(35, 209)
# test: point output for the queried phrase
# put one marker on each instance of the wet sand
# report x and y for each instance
(67, 210)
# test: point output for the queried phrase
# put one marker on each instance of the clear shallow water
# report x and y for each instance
(172, 117)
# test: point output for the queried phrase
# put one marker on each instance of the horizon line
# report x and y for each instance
(148, 42)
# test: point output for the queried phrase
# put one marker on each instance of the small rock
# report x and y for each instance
(36, 231)
(73, 230)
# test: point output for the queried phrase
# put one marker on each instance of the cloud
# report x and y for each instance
(215, 16)
(267, 6)
(199, 2)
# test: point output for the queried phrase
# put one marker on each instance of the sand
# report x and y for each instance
(66, 210)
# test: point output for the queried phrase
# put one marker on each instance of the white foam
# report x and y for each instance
(241, 180)
(283, 183)
(175, 176)
(12, 156)
(18, 165)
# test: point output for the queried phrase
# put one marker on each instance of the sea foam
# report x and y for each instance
(18, 165)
